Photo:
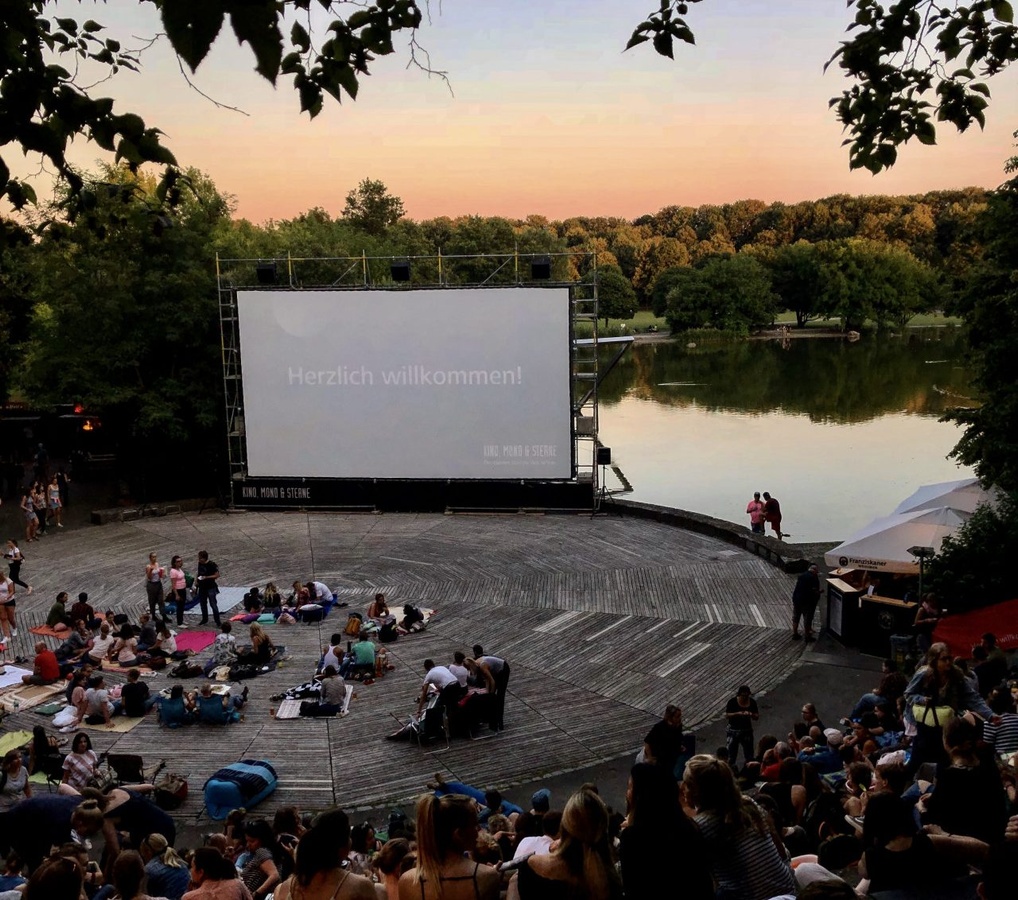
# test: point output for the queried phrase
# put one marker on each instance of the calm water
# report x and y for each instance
(840, 433)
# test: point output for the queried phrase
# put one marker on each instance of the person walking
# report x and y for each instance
(8, 627)
(741, 712)
(772, 514)
(154, 588)
(805, 597)
(31, 520)
(54, 502)
(208, 589)
(755, 511)
(15, 558)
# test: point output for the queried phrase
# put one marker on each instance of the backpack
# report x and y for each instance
(353, 624)
(243, 671)
(388, 633)
(186, 669)
(170, 792)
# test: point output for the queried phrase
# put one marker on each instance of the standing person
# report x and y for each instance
(63, 479)
(154, 587)
(755, 510)
(39, 507)
(14, 559)
(178, 587)
(741, 712)
(53, 501)
(772, 514)
(208, 589)
(664, 745)
(805, 597)
(31, 521)
(937, 693)
(499, 669)
(8, 627)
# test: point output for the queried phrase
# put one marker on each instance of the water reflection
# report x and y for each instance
(838, 431)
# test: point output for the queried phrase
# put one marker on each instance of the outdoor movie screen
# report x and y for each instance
(469, 383)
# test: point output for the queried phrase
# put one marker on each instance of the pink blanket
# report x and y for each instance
(195, 640)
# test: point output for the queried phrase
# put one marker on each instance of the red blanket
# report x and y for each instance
(963, 631)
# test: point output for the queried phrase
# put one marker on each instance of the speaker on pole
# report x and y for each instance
(604, 456)
(266, 272)
(400, 269)
(540, 268)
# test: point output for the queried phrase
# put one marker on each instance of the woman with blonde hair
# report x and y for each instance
(261, 647)
(743, 856)
(446, 832)
(938, 693)
(168, 875)
(580, 866)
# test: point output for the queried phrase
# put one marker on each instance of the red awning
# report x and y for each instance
(963, 631)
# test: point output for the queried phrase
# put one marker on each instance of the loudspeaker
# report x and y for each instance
(266, 272)
(604, 456)
(540, 268)
(400, 269)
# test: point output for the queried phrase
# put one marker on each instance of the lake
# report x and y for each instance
(838, 432)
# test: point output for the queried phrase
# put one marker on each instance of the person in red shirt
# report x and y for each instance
(46, 669)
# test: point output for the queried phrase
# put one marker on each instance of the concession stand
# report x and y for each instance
(873, 591)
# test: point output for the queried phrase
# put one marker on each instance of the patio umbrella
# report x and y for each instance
(882, 546)
(964, 495)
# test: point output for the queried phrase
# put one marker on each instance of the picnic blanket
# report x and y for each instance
(50, 709)
(28, 696)
(46, 631)
(14, 740)
(121, 725)
(290, 708)
(12, 677)
(226, 599)
(195, 640)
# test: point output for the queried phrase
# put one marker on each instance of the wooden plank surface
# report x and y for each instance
(604, 621)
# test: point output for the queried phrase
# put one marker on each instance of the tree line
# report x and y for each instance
(110, 300)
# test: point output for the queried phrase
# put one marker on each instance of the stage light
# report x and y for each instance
(540, 268)
(400, 269)
(266, 272)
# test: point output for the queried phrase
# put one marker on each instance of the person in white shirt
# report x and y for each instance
(459, 669)
(333, 654)
(318, 592)
(540, 845)
(438, 679)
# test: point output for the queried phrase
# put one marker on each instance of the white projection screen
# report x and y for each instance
(469, 383)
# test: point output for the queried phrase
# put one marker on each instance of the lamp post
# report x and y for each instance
(922, 554)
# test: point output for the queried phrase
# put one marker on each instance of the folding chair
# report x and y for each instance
(129, 768)
(426, 723)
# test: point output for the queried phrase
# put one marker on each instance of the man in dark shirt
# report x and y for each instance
(135, 695)
(805, 597)
(772, 514)
(208, 589)
(664, 746)
(741, 712)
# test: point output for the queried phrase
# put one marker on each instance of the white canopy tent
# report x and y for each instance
(964, 495)
(882, 546)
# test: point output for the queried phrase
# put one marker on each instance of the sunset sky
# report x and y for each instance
(546, 116)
